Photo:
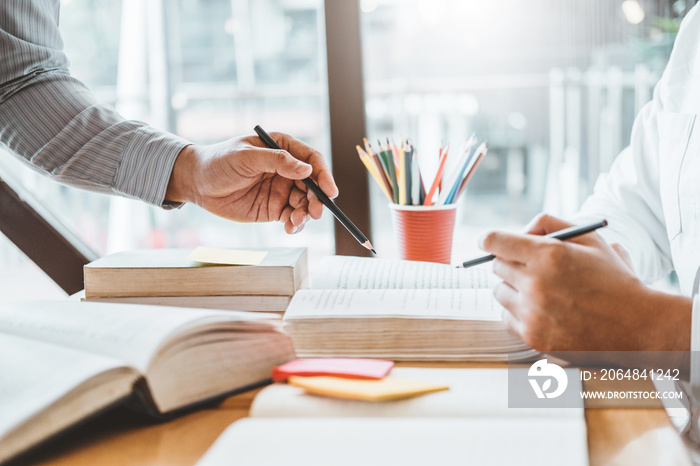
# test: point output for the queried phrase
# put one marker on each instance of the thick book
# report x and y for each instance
(400, 310)
(63, 361)
(276, 304)
(470, 423)
(168, 272)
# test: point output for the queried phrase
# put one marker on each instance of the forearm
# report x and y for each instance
(54, 123)
(664, 322)
(56, 126)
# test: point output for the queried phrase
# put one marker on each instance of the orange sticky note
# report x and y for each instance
(340, 367)
(385, 389)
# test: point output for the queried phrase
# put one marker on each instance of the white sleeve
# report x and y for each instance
(629, 198)
(692, 389)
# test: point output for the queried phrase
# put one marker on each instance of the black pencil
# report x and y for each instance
(313, 187)
(566, 233)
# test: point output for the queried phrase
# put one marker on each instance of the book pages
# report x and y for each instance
(462, 304)
(128, 332)
(343, 272)
(34, 375)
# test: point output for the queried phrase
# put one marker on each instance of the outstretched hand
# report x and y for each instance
(581, 294)
(243, 180)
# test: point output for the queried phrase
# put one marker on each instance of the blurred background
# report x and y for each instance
(553, 85)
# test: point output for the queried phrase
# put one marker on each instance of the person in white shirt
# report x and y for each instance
(589, 293)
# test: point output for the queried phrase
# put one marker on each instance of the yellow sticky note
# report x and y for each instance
(385, 389)
(227, 256)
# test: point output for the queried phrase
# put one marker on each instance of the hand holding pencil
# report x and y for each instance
(562, 235)
(321, 196)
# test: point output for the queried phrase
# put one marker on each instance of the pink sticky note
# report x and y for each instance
(339, 367)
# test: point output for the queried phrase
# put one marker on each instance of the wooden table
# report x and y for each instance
(119, 437)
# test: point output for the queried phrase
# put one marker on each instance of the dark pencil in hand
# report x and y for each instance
(328, 202)
(566, 233)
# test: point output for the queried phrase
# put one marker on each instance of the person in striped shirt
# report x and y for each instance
(55, 124)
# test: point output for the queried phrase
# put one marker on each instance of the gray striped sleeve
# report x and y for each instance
(54, 123)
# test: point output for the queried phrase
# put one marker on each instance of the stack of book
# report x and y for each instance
(170, 277)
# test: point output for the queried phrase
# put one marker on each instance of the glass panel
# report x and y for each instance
(208, 70)
(20, 279)
(553, 85)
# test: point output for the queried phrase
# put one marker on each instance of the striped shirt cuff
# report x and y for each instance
(146, 165)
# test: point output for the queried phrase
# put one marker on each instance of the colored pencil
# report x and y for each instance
(388, 159)
(408, 174)
(396, 169)
(437, 180)
(402, 177)
(471, 171)
(372, 169)
(454, 186)
(415, 182)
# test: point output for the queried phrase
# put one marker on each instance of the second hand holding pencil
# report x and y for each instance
(566, 233)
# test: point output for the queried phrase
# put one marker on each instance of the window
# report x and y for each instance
(207, 70)
(553, 85)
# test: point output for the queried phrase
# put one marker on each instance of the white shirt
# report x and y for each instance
(651, 197)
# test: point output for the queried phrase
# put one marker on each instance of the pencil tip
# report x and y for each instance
(369, 246)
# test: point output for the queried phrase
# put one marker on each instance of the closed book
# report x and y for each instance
(168, 272)
(276, 304)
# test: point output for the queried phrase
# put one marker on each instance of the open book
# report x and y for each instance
(468, 424)
(400, 310)
(63, 361)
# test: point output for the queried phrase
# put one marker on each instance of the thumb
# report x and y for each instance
(280, 162)
(624, 254)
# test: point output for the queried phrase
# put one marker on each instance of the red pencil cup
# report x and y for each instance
(424, 233)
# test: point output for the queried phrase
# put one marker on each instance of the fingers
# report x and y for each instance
(513, 273)
(300, 216)
(292, 229)
(315, 208)
(321, 173)
(544, 224)
(295, 219)
(297, 197)
(286, 214)
(506, 295)
(511, 247)
(624, 255)
(281, 162)
(509, 299)
(299, 210)
(511, 322)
